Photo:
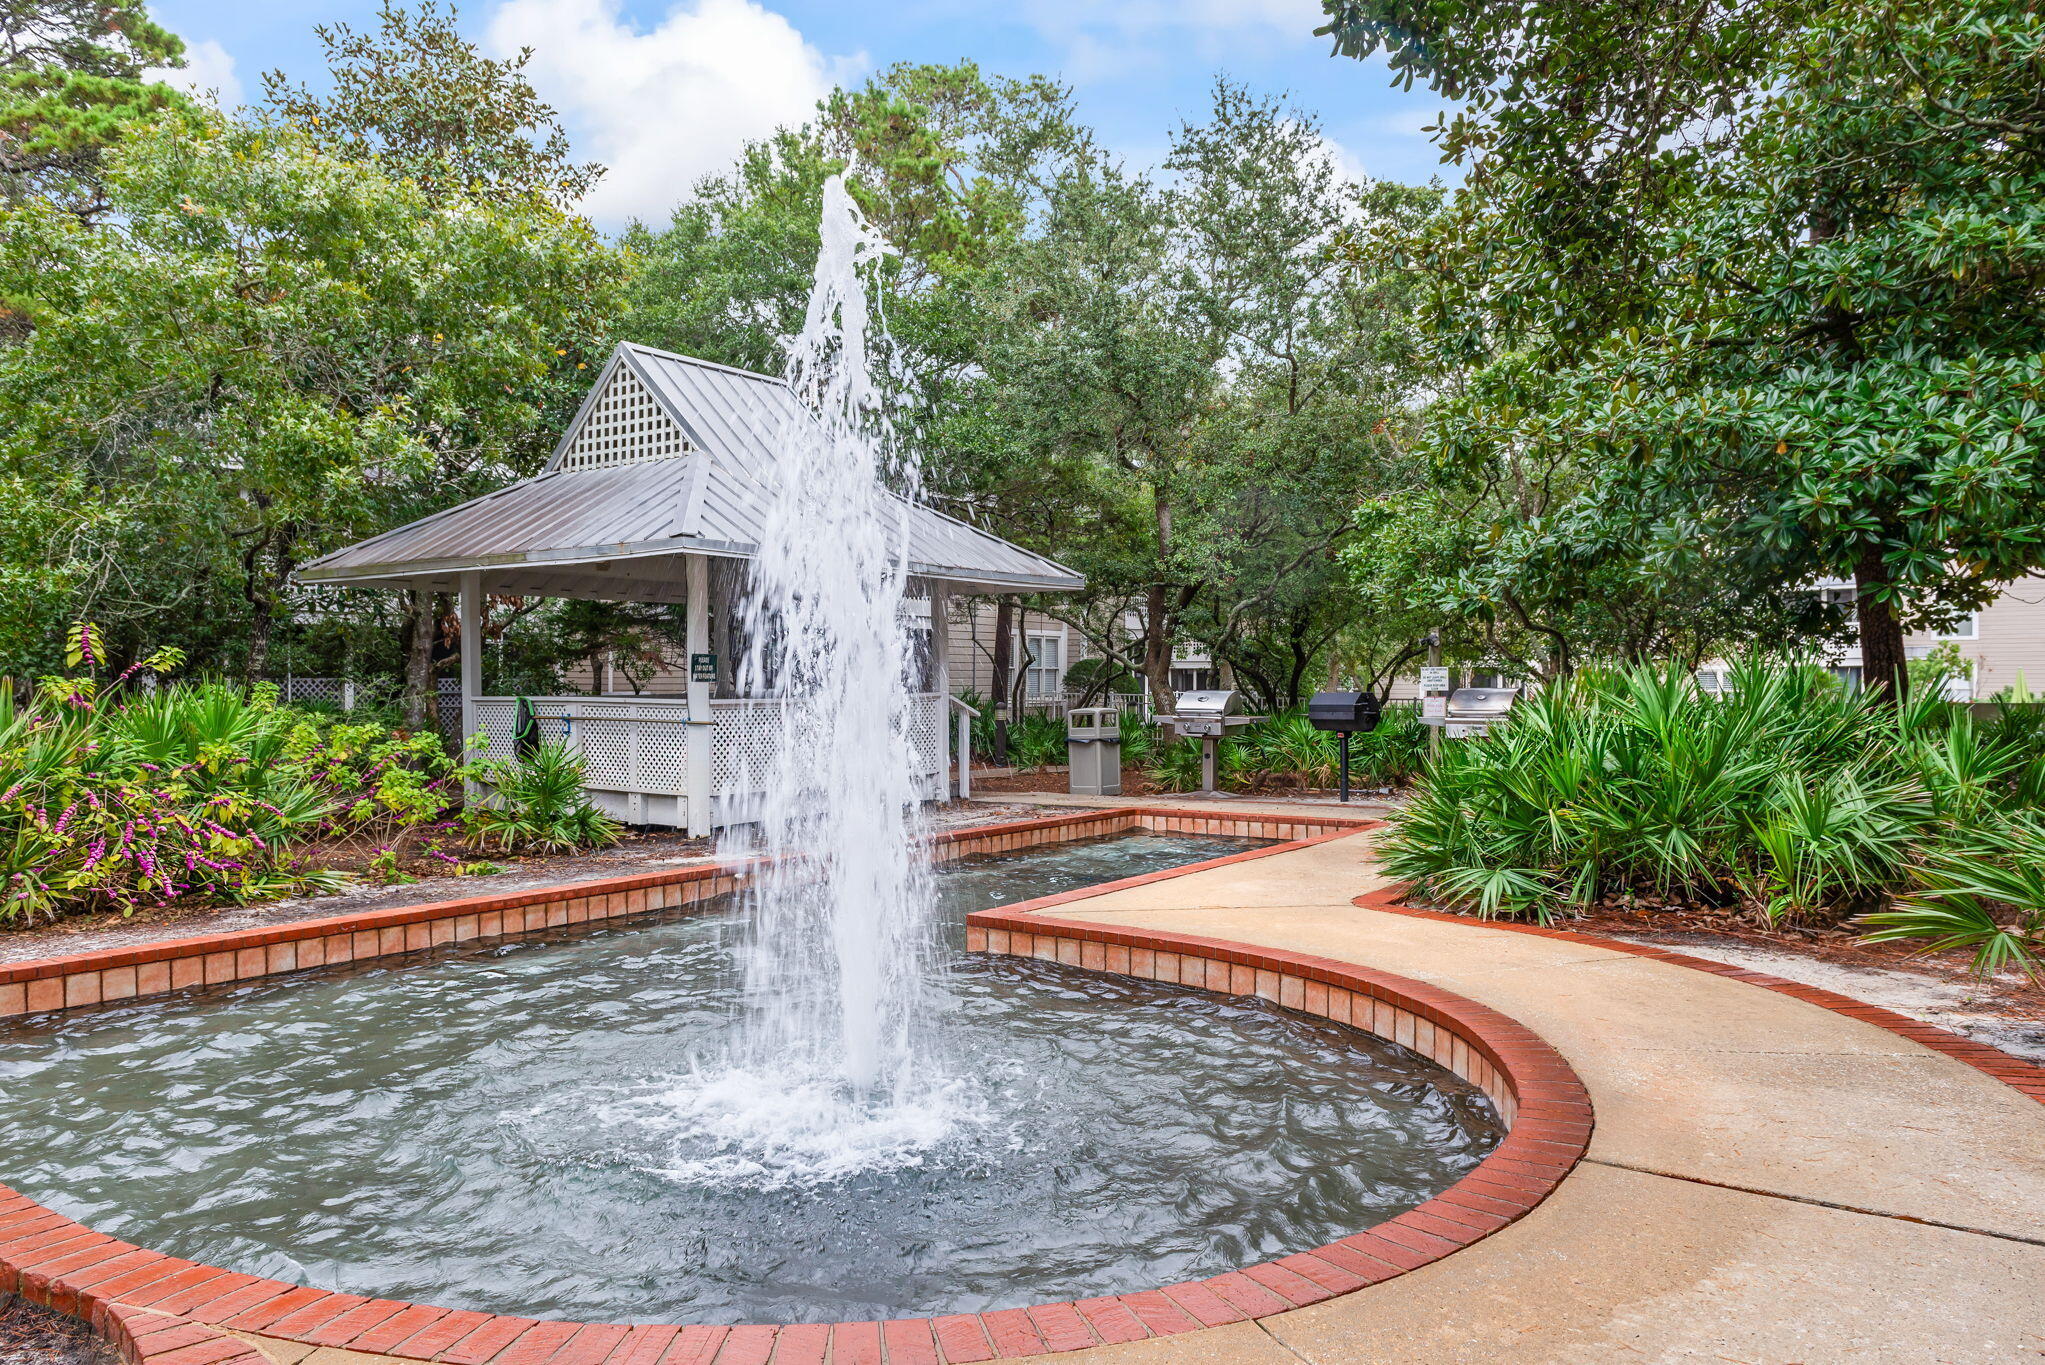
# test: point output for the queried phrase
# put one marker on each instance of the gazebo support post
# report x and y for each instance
(702, 726)
(469, 616)
(940, 676)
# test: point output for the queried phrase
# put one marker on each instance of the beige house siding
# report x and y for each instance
(972, 642)
(2008, 641)
(2005, 642)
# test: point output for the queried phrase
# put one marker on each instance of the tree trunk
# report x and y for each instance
(421, 624)
(723, 586)
(266, 567)
(1004, 666)
(1157, 649)
(261, 627)
(1882, 668)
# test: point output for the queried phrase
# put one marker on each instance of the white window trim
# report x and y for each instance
(1034, 685)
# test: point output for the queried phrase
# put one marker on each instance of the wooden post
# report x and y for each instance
(1433, 661)
(702, 726)
(469, 619)
(940, 678)
(469, 610)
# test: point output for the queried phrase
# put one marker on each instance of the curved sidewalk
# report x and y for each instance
(1769, 1181)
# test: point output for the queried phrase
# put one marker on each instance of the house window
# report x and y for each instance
(1965, 630)
(1046, 676)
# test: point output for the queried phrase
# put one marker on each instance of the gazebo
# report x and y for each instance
(656, 493)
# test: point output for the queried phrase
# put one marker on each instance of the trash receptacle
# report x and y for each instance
(1093, 749)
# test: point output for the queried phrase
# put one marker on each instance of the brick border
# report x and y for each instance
(2027, 1078)
(81, 980)
(162, 1310)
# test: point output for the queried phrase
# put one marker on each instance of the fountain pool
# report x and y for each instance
(517, 1127)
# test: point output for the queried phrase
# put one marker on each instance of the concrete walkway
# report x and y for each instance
(1769, 1182)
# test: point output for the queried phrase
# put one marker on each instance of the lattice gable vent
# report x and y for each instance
(626, 424)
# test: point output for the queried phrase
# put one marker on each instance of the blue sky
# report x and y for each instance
(666, 90)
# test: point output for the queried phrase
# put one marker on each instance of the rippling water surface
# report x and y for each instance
(515, 1128)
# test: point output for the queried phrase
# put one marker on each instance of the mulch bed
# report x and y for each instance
(36, 1336)
(1841, 945)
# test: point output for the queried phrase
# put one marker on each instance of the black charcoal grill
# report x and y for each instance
(1345, 714)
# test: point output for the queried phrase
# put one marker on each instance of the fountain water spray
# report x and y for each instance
(832, 1073)
(841, 921)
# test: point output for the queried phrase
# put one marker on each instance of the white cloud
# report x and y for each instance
(663, 106)
(1345, 163)
(208, 73)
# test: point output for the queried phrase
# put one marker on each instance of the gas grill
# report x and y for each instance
(1472, 711)
(1206, 716)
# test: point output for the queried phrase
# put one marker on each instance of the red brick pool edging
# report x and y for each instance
(2027, 1078)
(162, 1310)
(82, 980)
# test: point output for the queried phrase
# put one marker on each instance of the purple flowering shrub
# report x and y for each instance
(120, 797)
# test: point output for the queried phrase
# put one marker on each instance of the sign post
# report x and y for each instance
(1434, 693)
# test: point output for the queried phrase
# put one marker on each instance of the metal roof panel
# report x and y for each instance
(711, 499)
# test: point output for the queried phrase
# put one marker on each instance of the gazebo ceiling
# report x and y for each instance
(668, 457)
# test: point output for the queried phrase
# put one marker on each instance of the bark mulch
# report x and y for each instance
(30, 1335)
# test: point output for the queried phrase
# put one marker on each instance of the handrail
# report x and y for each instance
(966, 715)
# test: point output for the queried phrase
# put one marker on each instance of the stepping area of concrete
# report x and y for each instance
(1768, 1182)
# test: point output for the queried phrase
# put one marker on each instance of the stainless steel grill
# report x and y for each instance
(1206, 716)
(1472, 711)
(1207, 713)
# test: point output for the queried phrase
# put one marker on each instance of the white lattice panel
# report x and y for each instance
(312, 689)
(626, 424)
(606, 745)
(496, 719)
(742, 743)
(661, 759)
(926, 730)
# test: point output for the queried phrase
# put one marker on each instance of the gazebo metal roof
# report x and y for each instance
(669, 456)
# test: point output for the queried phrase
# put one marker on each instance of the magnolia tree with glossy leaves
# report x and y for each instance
(1759, 288)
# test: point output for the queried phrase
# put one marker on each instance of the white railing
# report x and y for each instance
(635, 752)
(963, 751)
(1138, 702)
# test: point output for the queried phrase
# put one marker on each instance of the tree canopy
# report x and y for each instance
(1753, 293)
(73, 80)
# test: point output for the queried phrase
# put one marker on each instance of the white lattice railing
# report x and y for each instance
(639, 746)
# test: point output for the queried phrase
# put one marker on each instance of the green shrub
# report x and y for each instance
(118, 798)
(1287, 751)
(537, 803)
(1101, 676)
(1985, 891)
(1787, 796)
(1036, 740)
(1173, 765)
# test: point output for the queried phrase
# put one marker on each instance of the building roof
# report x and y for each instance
(668, 456)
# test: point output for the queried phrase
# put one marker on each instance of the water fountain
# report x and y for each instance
(831, 1071)
(595, 1122)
